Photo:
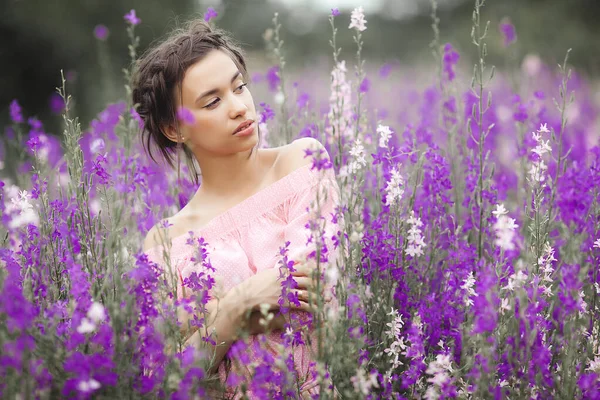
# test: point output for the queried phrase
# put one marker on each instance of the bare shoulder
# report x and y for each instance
(300, 153)
(152, 238)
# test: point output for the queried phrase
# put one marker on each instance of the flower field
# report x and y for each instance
(469, 242)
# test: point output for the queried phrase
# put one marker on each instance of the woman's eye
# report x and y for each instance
(216, 101)
(241, 87)
(212, 104)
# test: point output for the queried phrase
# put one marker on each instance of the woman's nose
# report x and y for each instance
(237, 107)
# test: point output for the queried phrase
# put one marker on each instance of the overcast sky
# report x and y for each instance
(369, 6)
(396, 9)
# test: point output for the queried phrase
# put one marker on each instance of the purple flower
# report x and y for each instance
(136, 116)
(186, 116)
(99, 170)
(15, 112)
(335, 12)
(132, 19)
(508, 32)
(267, 113)
(34, 143)
(520, 113)
(303, 100)
(451, 58)
(385, 70)
(101, 32)
(210, 14)
(273, 78)
(56, 103)
(365, 85)
(19, 312)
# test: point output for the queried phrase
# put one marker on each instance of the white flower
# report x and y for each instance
(264, 132)
(415, 239)
(582, 303)
(597, 244)
(594, 365)
(279, 98)
(96, 313)
(505, 305)
(516, 281)
(357, 150)
(398, 346)
(88, 386)
(340, 105)
(355, 237)
(504, 227)
(289, 332)
(86, 326)
(542, 148)
(358, 157)
(438, 369)
(500, 210)
(468, 286)
(332, 275)
(357, 19)
(97, 145)
(384, 135)
(545, 265)
(539, 167)
(431, 393)
(363, 383)
(22, 203)
(395, 188)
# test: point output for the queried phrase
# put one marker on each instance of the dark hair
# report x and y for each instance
(160, 71)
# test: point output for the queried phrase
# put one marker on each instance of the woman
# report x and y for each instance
(191, 92)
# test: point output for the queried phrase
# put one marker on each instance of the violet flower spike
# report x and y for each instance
(15, 112)
(101, 32)
(131, 18)
(357, 20)
(508, 32)
(210, 14)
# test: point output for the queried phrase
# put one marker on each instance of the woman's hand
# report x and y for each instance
(265, 288)
(255, 326)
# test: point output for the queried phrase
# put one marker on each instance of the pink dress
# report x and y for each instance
(246, 239)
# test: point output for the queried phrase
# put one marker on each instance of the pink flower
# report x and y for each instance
(357, 20)
(508, 32)
(101, 32)
(132, 18)
(210, 14)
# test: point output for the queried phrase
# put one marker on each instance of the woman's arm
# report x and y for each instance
(225, 319)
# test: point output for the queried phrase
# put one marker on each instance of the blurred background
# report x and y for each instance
(88, 40)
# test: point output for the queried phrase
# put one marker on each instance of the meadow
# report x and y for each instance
(468, 256)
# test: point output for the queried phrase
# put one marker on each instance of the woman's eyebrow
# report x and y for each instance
(215, 91)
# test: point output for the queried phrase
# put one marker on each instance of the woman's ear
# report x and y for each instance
(171, 133)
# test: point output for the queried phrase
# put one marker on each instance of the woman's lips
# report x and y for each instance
(243, 125)
(248, 130)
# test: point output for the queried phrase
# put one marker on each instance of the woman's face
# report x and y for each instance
(215, 93)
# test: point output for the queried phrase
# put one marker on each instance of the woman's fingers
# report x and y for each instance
(304, 269)
(311, 296)
(305, 282)
(304, 306)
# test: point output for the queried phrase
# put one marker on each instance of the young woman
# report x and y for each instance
(192, 95)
